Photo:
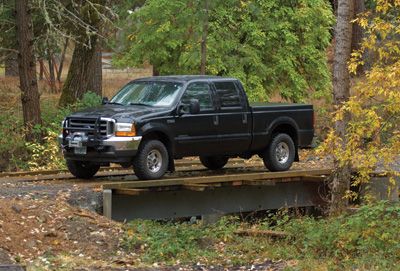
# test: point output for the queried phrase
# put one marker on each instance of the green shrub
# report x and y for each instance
(17, 154)
(368, 239)
(46, 154)
(171, 241)
(12, 142)
(89, 99)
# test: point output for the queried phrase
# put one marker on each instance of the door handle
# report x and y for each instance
(216, 120)
(244, 118)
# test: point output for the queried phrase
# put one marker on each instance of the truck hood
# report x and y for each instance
(120, 112)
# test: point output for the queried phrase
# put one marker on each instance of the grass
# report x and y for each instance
(366, 240)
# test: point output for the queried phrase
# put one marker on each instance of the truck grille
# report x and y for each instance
(104, 128)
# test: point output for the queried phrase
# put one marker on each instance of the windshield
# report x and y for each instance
(148, 93)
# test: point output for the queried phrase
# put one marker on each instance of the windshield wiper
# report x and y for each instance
(139, 104)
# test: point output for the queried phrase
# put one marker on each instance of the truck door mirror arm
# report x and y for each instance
(180, 110)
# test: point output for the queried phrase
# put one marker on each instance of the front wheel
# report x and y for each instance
(151, 161)
(81, 169)
(280, 153)
(214, 162)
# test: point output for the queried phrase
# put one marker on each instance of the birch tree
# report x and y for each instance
(341, 92)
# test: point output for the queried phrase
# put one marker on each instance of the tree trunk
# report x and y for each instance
(27, 70)
(85, 57)
(358, 31)
(334, 4)
(204, 40)
(341, 93)
(80, 70)
(96, 78)
(52, 77)
(60, 68)
(11, 65)
(156, 72)
(41, 69)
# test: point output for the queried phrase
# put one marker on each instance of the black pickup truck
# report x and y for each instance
(152, 121)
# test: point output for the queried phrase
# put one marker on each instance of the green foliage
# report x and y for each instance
(89, 99)
(270, 45)
(372, 140)
(366, 240)
(169, 241)
(46, 154)
(7, 27)
(12, 142)
(16, 154)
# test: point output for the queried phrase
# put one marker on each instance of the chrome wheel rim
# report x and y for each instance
(282, 152)
(154, 161)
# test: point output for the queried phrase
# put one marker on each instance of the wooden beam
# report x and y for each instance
(259, 182)
(277, 176)
(196, 187)
(130, 192)
(311, 178)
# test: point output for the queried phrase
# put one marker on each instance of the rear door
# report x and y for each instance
(196, 134)
(233, 116)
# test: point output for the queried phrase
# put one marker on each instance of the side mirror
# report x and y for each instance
(104, 100)
(194, 107)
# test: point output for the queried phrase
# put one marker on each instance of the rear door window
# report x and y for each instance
(228, 94)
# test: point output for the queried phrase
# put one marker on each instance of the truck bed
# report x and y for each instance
(267, 115)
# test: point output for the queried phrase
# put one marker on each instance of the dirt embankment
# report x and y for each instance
(32, 228)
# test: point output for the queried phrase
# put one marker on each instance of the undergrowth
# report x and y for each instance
(366, 240)
(17, 154)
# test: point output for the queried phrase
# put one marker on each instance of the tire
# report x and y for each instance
(280, 153)
(151, 161)
(214, 162)
(81, 169)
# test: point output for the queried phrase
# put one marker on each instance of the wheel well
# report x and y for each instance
(158, 136)
(289, 130)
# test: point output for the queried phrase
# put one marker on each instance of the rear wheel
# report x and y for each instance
(81, 169)
(280, 153)
(214, 162)
(151, 161)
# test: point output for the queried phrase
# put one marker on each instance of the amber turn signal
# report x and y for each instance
(125, 133)
(125, 129)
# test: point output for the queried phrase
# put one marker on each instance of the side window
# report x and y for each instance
(200, 91)
(228, 94)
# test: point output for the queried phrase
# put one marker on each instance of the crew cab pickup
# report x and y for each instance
(152, 121)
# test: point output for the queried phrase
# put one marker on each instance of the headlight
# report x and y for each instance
(125, 129)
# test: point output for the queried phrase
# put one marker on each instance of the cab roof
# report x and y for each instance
(184, 78)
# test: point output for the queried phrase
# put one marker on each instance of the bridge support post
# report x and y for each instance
(382, 188)
(107, 203)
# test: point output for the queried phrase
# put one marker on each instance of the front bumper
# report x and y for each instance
(109, 150)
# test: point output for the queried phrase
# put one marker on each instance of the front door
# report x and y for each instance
(196, 134)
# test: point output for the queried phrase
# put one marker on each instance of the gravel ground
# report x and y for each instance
(265, 266)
